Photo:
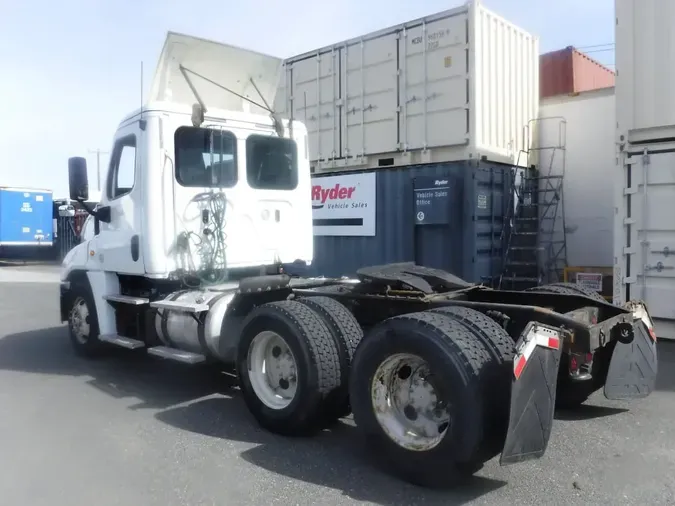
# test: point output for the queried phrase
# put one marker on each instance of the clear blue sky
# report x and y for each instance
(70, 68)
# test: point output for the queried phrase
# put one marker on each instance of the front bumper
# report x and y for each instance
(632, 374)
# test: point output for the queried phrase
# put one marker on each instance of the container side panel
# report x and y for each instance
(315, 87)
(590, 75)
(645, 31)
(26, 218)
(467, 242)
(577, 141)
(505, 84)
(370, 96)
(650, 239)
(434, 88)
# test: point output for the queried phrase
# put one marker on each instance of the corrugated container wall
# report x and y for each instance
(449, 216)
(644, 238)
(457, 85)
(569, 71)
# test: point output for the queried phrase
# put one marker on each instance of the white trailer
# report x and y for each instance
(205, 205)
(644, 242)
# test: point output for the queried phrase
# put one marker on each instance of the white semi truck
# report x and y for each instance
(207, 203)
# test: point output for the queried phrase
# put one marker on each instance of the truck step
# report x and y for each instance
(127, 299)
(186, 357)
(124, 342)
(183, 307)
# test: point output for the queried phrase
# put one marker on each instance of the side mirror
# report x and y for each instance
(66, 211)
(78, 181)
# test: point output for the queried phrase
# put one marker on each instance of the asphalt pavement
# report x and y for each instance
(132, 430)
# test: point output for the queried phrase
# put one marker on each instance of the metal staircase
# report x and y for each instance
(536, 251)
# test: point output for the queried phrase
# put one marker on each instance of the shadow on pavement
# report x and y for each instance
(335, 458)
(588, 412)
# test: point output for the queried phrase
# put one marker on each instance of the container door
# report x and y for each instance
(369, 94)
(487, 195)
(650, 233)
(434, 92)
(438, 222)
(314, 101)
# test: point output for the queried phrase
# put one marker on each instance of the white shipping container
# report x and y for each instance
(576, 136)
(645, 63)
(644, 238)
(457, 85)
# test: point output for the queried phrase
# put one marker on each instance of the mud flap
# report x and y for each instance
(632, 370)
(533, 393)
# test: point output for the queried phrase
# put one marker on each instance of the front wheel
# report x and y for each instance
(83, 324)
(288, 364)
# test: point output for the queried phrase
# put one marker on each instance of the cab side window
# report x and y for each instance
(122, 172)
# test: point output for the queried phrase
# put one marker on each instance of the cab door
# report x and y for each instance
(116, 245)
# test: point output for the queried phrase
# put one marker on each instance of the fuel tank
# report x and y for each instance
(180, 328)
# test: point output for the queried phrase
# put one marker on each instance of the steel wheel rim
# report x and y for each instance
(272, 370)
(78, 319)
(406, 403)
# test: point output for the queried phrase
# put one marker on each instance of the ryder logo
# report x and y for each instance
(333, 197)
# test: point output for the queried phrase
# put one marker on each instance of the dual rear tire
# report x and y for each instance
(429, 390)
(293, 362)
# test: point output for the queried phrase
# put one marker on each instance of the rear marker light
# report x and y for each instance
(538, 336)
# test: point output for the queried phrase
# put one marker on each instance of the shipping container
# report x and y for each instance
(26, 218)
(645, 63)
(457, 85)
(450, 216)
(644, 239)
(569, 71)
(576, 140)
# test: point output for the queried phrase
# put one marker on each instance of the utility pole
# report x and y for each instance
(98, 166)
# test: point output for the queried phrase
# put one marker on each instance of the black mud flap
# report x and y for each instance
(632, 370)
(532, 400)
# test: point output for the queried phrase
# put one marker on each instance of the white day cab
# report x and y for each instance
(207, 202)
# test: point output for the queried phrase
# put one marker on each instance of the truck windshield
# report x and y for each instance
(205, 157)
(271, 163)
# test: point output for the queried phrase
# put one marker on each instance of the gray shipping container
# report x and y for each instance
(450, 216)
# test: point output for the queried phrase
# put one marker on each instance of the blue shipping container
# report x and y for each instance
(26, 217)
(449, 216)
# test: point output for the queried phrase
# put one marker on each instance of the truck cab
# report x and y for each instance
(186, 197)
(206, 186)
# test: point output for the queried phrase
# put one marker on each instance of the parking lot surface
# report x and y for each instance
(133, 430)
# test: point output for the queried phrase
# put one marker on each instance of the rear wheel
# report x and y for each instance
(417, 396)
(347, 335)
(497, 376)
(287, 364)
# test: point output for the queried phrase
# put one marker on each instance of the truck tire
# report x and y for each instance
(288, 364)
(444, 363)
(572, 394)
(347, 334)
(83, 326)
(501, 348)
(569, 289)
